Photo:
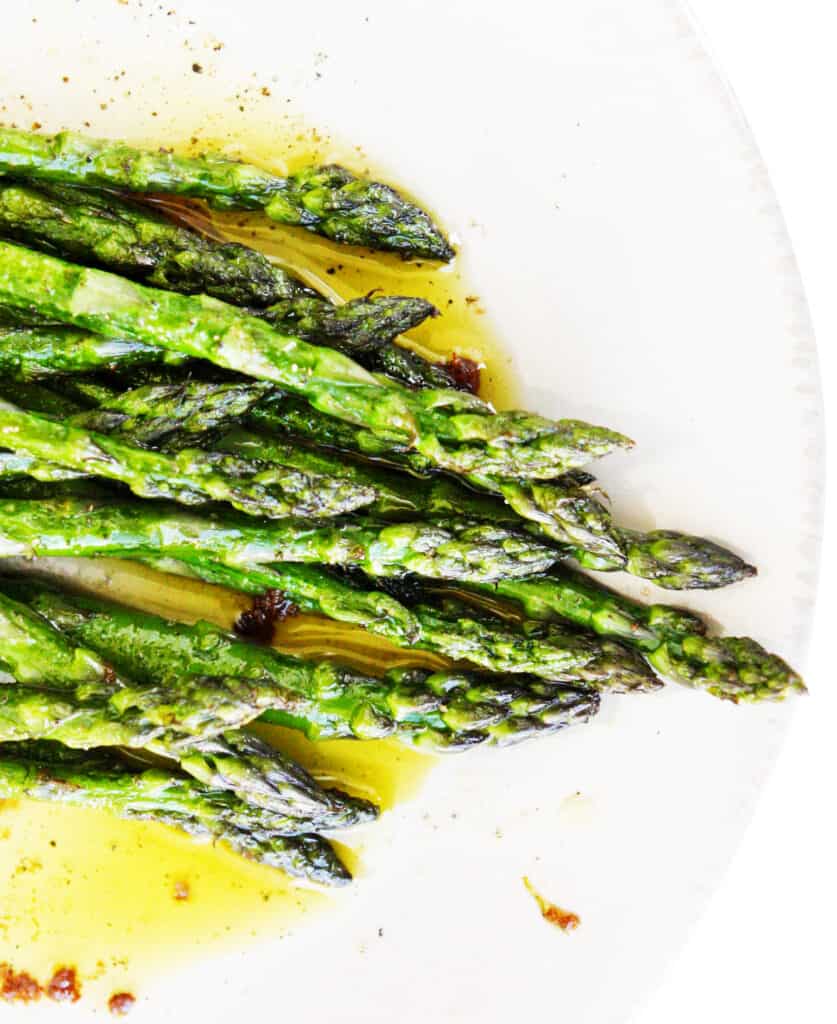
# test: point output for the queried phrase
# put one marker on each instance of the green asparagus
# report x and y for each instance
(546, 651)
(564, 510)
(69, 693)
(461, 551)
(189, 476)
(445, 711)
(101, 779)
(114, 234)
(35, 353)
(330, 200)
(187, 412)
(674, 560)
(175, 416)
(673, 641)
(454, 430)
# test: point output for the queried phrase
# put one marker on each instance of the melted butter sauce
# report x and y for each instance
(86, 889)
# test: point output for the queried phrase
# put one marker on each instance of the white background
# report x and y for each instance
(766, 949)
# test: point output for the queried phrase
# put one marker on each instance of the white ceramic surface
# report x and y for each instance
(618, 222)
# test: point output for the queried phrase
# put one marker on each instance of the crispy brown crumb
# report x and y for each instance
(197, 68)
(465, 372)
(36, 125)
(63, 986)
(181, 890)
(18, 987)
(259, 622)
(121, 1003)
(566, 920)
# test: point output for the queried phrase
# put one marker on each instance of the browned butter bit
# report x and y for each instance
(63, 986)
(121, 1003)
(258, 623)
(465, 372)
(18, 986)
(566, 920)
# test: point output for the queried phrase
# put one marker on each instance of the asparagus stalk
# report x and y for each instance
(114, 234)
(546, 651)
(101, 779)
(187, 414)
(673, 641)
(563, 510)
(189, 476)
(330, 200)
(178, 412)
(35, 353)
(462, 551)
(445, 711)
(69, 693)
(453, 430)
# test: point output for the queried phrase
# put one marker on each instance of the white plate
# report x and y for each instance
(618, 222)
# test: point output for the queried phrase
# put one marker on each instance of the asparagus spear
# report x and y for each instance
(455, 431)
(114, 234)
(175, 413)
(330, 200)
(174, 416)
(106, 230)
(563, 510)
(546, 651)
(101, 779)
(461, 551)
(673, 641)
(34, 353)
(70, 694)
(445, 711)
(189, 476)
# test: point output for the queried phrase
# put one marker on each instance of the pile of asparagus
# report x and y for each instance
(182, 402)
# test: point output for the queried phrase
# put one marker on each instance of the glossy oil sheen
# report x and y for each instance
(617, 223)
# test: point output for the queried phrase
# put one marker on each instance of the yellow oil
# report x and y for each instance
(85, 889)
(345, 272)
(82, 888)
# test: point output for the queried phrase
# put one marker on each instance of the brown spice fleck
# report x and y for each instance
(121, 1003)
(63, 986)
(181, 890)
(65, 78)
(259, 622)
(465, 372)
(18, 987)
(566, 920)
(197, 68)
(36, 125)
